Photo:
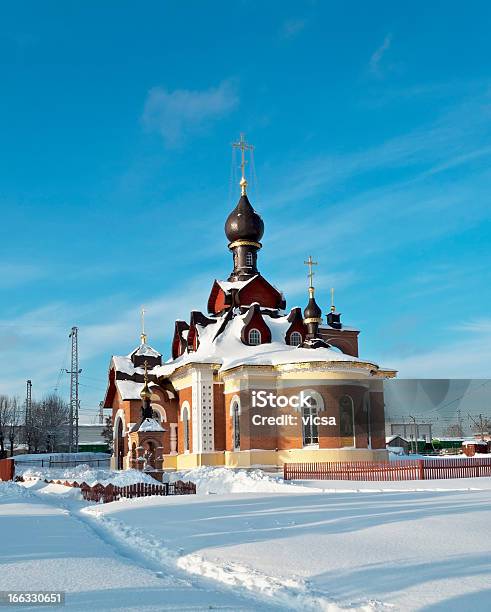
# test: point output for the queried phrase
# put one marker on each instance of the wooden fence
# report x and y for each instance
(109, 493)
(6, 469)
(419, 469)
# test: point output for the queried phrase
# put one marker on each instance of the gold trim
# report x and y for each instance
(238, 243)
(312, 320)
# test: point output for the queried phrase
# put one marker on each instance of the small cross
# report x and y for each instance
(145, 366)
(243, 146)
(310, 262)
(143, 335)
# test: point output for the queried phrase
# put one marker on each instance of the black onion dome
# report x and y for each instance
(312, 311)
(244, 223)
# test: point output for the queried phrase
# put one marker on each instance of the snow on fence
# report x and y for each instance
(419, 469)
(109, 493)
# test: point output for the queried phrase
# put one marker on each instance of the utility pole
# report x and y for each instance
(479, 424)
(415, 434)
(459, 418)
(28, 414)
(74, 401)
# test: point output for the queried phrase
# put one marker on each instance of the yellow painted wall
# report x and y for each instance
(270, 458)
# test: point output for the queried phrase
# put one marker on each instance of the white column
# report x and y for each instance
(173, 438)
(202, 413)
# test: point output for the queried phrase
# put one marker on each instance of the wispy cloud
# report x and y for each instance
(375, 63)
(292, 28)
(179, 113)
(478, 326)
(15, 274)
(471, 359)
(34, 344)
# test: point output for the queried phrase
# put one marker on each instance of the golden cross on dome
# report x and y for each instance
(243, 146)
(143, 335)
(310, 262)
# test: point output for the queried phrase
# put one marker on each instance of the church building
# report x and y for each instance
(249, 382)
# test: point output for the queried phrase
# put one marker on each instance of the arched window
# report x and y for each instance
(119, 444)
(310, 429)
(236, 425)
(185, 427)
(249, 259)
(347, 421)
(295, 338)
(254, 337)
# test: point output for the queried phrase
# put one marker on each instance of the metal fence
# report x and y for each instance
(419, 469)
(53, 463)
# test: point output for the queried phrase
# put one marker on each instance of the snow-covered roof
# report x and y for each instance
(150, 425)
(228, 285)
(228, 350)
(124, 364)
(144, 350)
(344, 328)
(129, 389)
(389, 439)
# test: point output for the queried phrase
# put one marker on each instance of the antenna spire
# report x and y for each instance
(333, 308)
(143, 335)
(244, 146)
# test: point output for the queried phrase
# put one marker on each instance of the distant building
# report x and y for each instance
(406, 431)
(90, 438)
(396, 443)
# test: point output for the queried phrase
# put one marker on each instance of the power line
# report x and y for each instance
(460, 397)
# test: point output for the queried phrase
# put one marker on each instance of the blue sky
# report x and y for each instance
(371, 123)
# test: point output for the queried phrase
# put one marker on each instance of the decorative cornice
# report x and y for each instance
(238, 243)
(312, 320)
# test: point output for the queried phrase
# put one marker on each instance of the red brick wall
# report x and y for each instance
(377, 419)
(344, 340)
(219, 421)
(274, 436)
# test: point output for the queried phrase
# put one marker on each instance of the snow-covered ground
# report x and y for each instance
(47, 544)
(85, 473)
(249, 541)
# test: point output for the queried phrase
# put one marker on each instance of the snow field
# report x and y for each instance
(420, 545)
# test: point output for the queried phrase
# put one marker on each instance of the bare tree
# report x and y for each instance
(4, 417)
(454, 431)
(107, 432)
(13, 423)
(33, 432)
(51, 419)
